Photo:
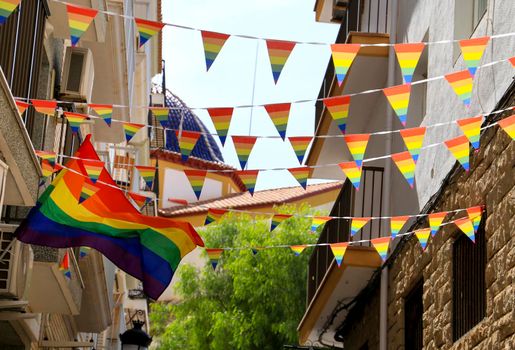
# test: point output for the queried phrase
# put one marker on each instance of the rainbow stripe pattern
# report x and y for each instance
(187, 141)
(249, 179)
(381, 245)
(338, 107)
(6, 8)
(459, 147)
(277, 219)
(93, 168)
(279, 113)
(298, 249)
(408, 56)
(48, 156)
(87, 191)
(278, 51)
(467, 227)
(343, 56)
(243, 146)
(48, 169)
(213, 43)
(435, 221)
(22, 106)
(130, 129)
(103, 111)
(44, 106)
(357, 144)
(475, 215)
(423, 237)
(64, 266)
(300, 145)
(508, 125)
(471, 127)
(301, 174)
(357, 224)
(352, 171)
(79, 19)
(414, 139)
(196, 179)
(397, 223)
(338, 250)
(472, 51)
(147, 29)
(398, 96)
(84, 251)
(214, 215)
(161, 115)
(461, 83)
(319, 220)
(147, 173)
(214, 255)
(221, 118)
(406, 166)
(139, 199)
(75, 120)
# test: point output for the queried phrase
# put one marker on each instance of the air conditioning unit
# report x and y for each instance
(15, 265)
(78, 75)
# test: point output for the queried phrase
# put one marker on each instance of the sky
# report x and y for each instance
(241, 74)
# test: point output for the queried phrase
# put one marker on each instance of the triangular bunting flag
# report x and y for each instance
(84, 251)
(398, 96)
(6, 8)
(139, 199)
(213, 43)
(338, 107)
(79, 19)
(343, 55)
(64, 266)
(277, 219)
(196, 179)
(512, 61)
(357, 145)
(467, 227)
(472, 51)
(44, 106)
(461, 83)
(319, 220)
(460, 149)
(48, 169)
(338, 250)
(147, 173)
(300, 145)
(423, 237)
(161, 115)
(104, 111)
(414, 139)
(301, 174)
(508, 125)
(147, 29)
(130, 129)
(279, 113)
(475, 214)
(221, 118)
(249, 179)
(406, 165)
(357, 224)
(213, 215)
(397, 223)
(214, 255)
(243, 146)
(381, 245)
(75, 120)
(408, 56)
(87, 191)
(352, 171)
(49, 156)
(255, 251)
(93, 168)
(471, 127)
(298, 249)
(435, 221)
(187, 141)
(278, 51)
(22, 106)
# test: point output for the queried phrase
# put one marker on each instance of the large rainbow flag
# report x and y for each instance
(147, 247)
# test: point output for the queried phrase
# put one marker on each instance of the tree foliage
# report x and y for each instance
(250, 301)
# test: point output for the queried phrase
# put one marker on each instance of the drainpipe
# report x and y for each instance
(383, 301)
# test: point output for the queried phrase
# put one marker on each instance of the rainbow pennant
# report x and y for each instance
(49, 156)
(87, 191)
(352, 171)
(319, 220)
(213, 43)
(161, 115)
(467, 227)
(435, 221)
(414, 138)
(512, 61)
(423, 237)
(357, 224)
(508, 125)
(130, 129)
(279, 114)
(357, 144)
(398, 96)
(338, 250)
(64, 266)
(214, 255)
(460, 149)
(147, 29)
(44, 106)
(93, 168)
(104, 111)
(75, 120)
(298, 249)
(196, 179)
(277, 219)
(472, 50)
(301, 174)
(406, 165)
(187, 141)
(278, 51)
(48, 169)
(147, 173)
(221, 118)
(214, 215)
(243, 146)
(408, 56)
(338, 107)
(461, 83)
(475, 214)
(79, 19)
(6, 8)
(343, 55)
(22, 106)
(139, 199)
(381, 245)
(471, 127)
(249, 179)
(84, 251)
(300, 145)
(397, 223)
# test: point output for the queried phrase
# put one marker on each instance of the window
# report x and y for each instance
(467, 15)
(413, 311)
(469, 290)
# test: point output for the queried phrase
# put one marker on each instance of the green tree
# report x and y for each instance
(250, 301)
